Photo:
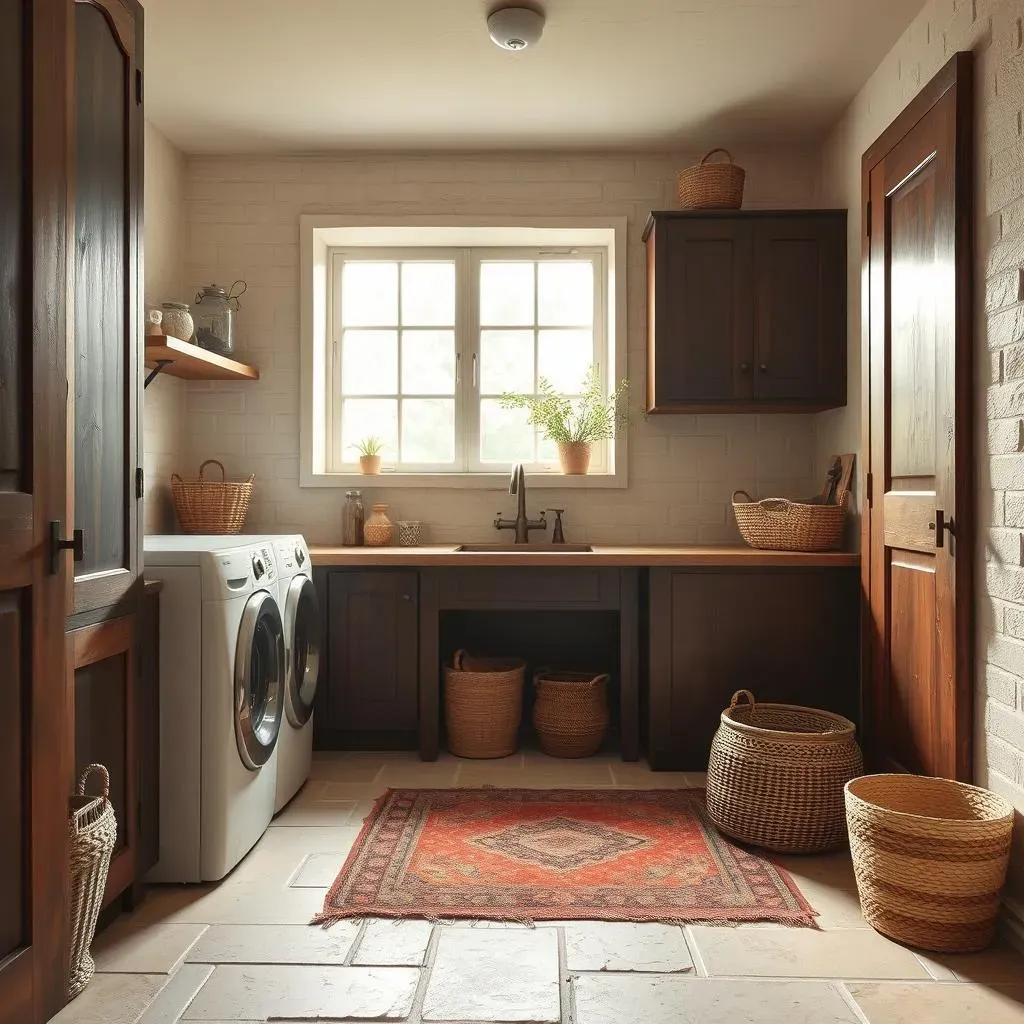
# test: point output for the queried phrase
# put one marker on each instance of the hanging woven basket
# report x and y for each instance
(708, 186)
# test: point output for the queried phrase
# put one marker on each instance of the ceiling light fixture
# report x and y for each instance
(515, 28)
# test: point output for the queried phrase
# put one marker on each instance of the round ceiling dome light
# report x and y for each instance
(515, 28)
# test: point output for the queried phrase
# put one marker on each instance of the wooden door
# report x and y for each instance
(34, 738)
(107, 308)
(918, 529)
(700, 340)
(800, 309)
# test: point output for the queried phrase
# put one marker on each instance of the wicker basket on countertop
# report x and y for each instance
(776, 775)
(483, 705)
(570, 712)
(707, 186)
(211, 506)
(930, 857)
(777, 524)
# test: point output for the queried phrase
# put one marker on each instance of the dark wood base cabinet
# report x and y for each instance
(790, 636)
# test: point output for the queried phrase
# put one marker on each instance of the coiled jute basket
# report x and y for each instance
(778, 524)
(707, 186)
(483, 705)
(776, 775)
(570, 712)
(211, 506)
(930, 857)
(93, 832)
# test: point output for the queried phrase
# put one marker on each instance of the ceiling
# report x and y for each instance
(227, 76)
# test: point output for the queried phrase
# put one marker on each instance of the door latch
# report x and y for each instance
(76, 545)
(940, 526)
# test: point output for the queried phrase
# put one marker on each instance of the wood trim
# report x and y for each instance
(629, 665)
(657, 215)
(121, 16)
(430, 666)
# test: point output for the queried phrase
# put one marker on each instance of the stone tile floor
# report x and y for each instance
(242, 951)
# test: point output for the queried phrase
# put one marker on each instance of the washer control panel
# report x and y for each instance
(264, 568)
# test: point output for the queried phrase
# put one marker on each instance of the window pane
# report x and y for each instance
(365, 417)
(428, 362)
(505, 435)
(428, 430)
(547, 450)
(369, 294)
(506, 362)
(565, 293)
(564, 358)
(369, 362)
(506, 294)
(428, 294)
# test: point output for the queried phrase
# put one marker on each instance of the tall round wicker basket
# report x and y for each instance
(570, 712)
(777, 772)
(483, 705)
(930, 857)
(211, 506)
(93, 832)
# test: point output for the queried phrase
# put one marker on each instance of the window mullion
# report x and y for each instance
(469, 317)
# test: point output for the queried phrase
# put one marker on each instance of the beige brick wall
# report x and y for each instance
(242, 221)
(164, 404)
(993, 30)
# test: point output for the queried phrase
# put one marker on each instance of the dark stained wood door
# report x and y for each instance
(107, 307)
(34, 729)
(919, 529)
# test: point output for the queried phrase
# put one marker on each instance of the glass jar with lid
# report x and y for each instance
(352, 516)
(214, 315)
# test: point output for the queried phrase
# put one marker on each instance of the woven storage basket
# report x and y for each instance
(570, 712)
(93, 832)
(483, 705)
(777, 772)
(711, 186)
(930, 856)
(780, 525)
(211, 506)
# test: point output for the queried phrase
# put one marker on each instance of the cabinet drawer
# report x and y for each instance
(528, 586)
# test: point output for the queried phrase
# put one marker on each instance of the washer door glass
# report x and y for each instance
(259, 680)
(303, 641)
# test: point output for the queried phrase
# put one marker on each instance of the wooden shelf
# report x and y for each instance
(191, 362)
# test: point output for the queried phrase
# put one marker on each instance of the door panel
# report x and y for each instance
(13, 780)
(918, 533)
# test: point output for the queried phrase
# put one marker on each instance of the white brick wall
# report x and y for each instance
(242, 221)
(993, 29)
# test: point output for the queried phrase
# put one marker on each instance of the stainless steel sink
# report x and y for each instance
(524, 549)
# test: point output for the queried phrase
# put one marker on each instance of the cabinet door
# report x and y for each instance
(107, 191)
(701, 336)
(371, 684)
(800, 309)
(103, 662)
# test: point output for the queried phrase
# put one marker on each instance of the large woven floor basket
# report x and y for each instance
(776, 775)
(483, 705)
(211, 506)
(778, 524)
(570, 712)
(930, 856)
(93, 832)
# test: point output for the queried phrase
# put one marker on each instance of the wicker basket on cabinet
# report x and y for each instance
(570, 712)
(777, 524)
(211, 506)
(776, 775)
(707, 186)
(483, 705)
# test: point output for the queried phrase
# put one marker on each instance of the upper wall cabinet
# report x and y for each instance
(746, 311)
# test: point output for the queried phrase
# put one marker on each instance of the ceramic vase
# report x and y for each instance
(369, 465)
(378, 530)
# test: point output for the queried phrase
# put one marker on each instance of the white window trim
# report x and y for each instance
(319, 233)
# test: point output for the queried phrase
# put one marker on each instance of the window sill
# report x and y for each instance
(463, 481)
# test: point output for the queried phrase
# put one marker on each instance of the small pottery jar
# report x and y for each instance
(378, 530)
(575, 458)
(369, 465)
(177, 321)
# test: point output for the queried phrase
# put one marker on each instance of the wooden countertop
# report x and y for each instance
(667, 555)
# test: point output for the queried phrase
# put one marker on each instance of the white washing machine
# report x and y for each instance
(303, 642)
(222, 678)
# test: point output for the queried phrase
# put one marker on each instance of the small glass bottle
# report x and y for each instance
(352, 515)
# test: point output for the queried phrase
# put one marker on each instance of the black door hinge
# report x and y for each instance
(869, 218)
(869, 488)
(140, 482)
(138, 86)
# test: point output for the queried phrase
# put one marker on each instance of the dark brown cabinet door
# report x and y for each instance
(107, 191)
(800, 309)
(370, 689)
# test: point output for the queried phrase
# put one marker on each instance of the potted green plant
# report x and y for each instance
(369, 449)
(575, 424)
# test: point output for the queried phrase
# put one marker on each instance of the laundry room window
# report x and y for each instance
(420, 342)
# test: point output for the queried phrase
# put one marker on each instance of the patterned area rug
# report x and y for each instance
(534, 854)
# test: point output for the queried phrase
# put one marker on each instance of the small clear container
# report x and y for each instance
(352, 518)
(214, 315)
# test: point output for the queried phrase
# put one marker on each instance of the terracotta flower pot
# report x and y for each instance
(575, 458)
(369, 465)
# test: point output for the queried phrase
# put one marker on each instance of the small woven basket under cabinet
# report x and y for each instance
(483, 705)
(211, 506)
(777, 524)
(776, 775)
(570, 712)
(930, 857)
(93, 833)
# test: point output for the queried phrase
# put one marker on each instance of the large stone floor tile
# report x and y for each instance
(275, 944)
(1000, 964)
(803, 953)
(130, 947)
(246, 902)
(938, 1003)
(315, 813)
(174, 998)
(388, 943)
(494, 975)
(653, 999)
(236, 992)
(319, 870)
(112, 999)
(622, 946)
